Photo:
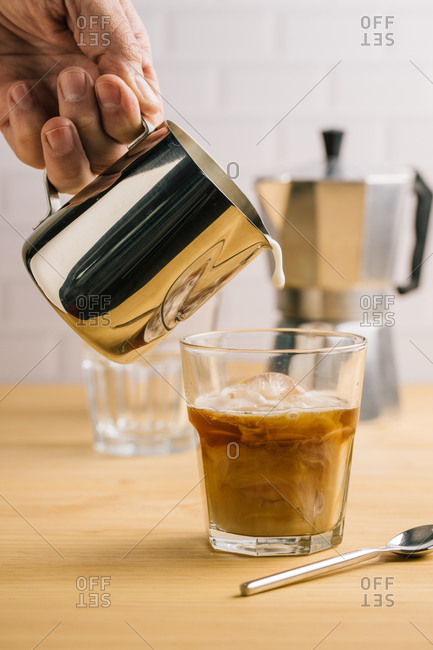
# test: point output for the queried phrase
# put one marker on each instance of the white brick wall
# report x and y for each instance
(233, 68)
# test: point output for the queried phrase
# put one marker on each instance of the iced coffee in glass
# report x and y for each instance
(276, 413)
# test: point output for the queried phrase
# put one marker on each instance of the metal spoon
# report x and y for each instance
(412, 542)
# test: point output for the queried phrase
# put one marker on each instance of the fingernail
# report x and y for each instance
(73, 85)
(60, 140)
(22, 97)
(108, 94)
(146, 91)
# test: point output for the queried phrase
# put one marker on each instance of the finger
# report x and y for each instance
(25, 118)
(67, 165)
(138, 29)
(78, 103)
(145, 88)
(119, 109)
(142, 38)
(115, 48)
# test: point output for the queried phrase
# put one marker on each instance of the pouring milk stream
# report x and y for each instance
(278, 279)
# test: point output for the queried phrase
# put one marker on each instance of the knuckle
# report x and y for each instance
(29, 155)
(85, 121)
(28, 159)
(129, 46)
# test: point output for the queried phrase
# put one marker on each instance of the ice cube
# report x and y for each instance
(274, 386)
(236, 397)
(314, 399)
(257, 393)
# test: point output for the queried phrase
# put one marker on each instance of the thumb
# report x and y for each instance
(103, 32)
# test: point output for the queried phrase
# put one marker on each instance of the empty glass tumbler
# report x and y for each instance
(138, 409)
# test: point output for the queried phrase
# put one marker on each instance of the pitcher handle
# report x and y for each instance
(51, 192)
(422, 217)
(147, 129)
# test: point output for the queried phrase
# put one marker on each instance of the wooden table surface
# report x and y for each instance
(103, 552)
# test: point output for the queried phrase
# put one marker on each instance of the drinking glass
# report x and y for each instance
(139, 408)
(276, 413)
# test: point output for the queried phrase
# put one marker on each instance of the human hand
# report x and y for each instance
(67, 107)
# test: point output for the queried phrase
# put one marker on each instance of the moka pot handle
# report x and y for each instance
(422, 217)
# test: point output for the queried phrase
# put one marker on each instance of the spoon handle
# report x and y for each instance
(308, 571)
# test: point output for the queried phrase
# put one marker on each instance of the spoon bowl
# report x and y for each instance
(414, 541)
